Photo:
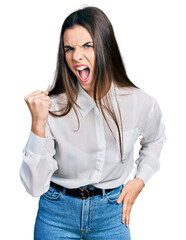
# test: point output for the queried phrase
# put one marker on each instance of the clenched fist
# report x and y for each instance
(39, 104)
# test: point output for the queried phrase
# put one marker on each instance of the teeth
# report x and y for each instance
(81, 68)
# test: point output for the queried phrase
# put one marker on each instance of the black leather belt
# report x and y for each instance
(82, 193)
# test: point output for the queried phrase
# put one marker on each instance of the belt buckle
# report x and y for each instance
(83, 193)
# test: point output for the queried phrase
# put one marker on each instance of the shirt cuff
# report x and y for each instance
(36, 144)
(145, 173)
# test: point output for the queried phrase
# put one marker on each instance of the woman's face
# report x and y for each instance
(80, 55)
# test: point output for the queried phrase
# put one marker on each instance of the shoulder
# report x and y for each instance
(143, 98)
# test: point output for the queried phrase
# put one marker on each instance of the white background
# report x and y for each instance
(152, 40)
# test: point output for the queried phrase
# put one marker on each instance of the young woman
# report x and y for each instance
(81, 144)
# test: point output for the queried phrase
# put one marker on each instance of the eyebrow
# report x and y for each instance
(67, 46)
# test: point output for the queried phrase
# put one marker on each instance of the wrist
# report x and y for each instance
(140, 181)
(38, 128)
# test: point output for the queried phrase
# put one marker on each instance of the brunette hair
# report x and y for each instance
(109, 65)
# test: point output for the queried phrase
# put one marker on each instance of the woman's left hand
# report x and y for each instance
(128, 195)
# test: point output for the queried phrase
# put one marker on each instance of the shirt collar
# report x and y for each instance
(84, 101)
(87, 103)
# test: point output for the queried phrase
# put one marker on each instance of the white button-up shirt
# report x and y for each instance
(91, 155)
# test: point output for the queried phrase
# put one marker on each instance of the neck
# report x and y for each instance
(104, 92)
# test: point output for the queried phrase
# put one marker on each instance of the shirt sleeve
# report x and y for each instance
(153, 137)
(38, 163)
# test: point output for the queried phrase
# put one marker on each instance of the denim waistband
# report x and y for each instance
(93, 187)
(90, 186)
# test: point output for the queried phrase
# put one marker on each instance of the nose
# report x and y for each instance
(77, 54)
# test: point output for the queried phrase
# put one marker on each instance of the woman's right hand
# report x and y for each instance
(39, 104)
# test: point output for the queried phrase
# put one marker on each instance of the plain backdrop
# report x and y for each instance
(152, 40)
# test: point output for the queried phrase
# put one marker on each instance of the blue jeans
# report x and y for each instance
(62, 216)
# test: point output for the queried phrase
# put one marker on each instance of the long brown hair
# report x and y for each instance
(109, 65)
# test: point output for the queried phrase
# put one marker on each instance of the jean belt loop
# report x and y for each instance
(103, 192)
(64, 191)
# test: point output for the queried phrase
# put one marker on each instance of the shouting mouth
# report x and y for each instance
(83, 73)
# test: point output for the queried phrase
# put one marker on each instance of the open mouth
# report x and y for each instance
(84, 74)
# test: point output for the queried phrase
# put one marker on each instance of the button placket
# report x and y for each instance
(100, 136)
